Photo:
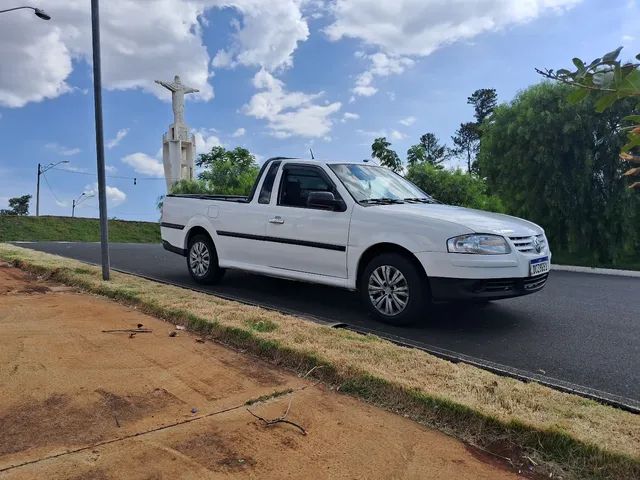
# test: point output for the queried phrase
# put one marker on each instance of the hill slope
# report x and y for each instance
(75, 230)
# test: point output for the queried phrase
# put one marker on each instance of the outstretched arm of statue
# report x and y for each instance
(191, 90)
(166, 85)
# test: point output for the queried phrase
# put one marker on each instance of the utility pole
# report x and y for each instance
(41, 170)
(83, 196)
(97, 98)
(38, 194)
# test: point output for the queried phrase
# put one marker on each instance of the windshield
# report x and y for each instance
(370, 183)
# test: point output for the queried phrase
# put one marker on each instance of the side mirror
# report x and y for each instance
(322, 200)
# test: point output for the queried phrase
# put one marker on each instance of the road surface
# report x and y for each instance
(582, 328)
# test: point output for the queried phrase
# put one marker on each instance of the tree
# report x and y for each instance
(228, 172)
(435, 153)
(454, 187)
(380, 149)
(17, 206)
(611, 81)
(556, 163)
(416, 155)
(466, 143)
(484, 101)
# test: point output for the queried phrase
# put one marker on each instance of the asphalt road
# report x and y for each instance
(582, 328)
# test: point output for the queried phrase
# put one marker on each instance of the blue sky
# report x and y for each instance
(276, 77)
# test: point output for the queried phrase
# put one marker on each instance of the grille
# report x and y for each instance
(506, 285)
(525, 244)
(534, 283)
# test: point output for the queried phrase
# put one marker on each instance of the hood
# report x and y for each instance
(477, 220)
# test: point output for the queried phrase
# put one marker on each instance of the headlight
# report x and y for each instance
(478, 243)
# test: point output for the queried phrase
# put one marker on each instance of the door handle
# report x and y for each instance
(277, 220)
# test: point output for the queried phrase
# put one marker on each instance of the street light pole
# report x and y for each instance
(39, 13)
(97, 97)
(38, 193)
(41, 170)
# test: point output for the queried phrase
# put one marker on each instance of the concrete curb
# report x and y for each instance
(598, 271)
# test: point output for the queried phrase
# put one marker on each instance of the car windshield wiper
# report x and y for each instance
(420, 200)
(380, 201)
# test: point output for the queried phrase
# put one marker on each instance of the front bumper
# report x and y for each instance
(443, 289)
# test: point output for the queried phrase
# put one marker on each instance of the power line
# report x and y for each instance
(51, 189)
(111, 176)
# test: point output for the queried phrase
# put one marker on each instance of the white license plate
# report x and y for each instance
(539, 266)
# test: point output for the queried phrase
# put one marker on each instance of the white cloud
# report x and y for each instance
(413, 28)
(118, 138)
(407, 122)
(144, 164)
(418, 27)
(115, 196)
(239, 132)
(141, 41)
(396, 135)
(268, 36)
(110, 169)
(205, 141)
(349, 116)
(62, 150)
(382, 65)
(289, 113)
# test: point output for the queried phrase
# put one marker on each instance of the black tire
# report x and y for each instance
(202, 260)
(417, 299)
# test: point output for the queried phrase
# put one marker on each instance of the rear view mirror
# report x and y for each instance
(322, 200)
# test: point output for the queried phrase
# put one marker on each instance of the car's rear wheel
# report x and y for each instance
(394, 289)
(202, 260)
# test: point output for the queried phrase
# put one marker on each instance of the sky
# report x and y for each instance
(278, 77)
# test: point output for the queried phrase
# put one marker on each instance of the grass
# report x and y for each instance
(629, 261)
(563, 434)
(35, 229)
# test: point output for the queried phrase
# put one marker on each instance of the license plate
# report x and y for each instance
(539, 266)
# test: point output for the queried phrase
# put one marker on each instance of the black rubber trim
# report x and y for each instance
(167, 246)
(288, 241)
(172, 225)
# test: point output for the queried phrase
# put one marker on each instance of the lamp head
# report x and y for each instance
(41, 14)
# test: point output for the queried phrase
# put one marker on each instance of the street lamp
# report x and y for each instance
(39, 13)
(83, 196)
(41, 170)
(97, 99)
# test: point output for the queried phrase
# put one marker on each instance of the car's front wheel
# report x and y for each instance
(202, 260)
(394, 289)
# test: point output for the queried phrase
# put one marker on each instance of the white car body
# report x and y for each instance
(328, 247)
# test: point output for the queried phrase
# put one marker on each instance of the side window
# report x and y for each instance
(267, 185)
(298, 182)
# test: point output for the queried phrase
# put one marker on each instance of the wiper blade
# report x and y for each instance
(381, 201)
(420, 200)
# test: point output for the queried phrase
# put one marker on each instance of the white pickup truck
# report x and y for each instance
(362, 227)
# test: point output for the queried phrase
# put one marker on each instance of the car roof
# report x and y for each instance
(321, 161)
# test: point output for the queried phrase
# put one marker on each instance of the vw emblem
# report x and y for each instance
(537, 245)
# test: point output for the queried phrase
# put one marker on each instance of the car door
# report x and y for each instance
(304, 239)
(240, 227)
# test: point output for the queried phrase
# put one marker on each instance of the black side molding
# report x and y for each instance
(288, 241)
(172, 225)
(167, 246)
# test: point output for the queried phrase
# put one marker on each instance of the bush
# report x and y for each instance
(454, 187)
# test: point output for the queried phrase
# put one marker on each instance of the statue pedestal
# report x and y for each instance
(178, 153)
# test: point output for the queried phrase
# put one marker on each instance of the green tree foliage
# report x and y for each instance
(454, 187)
(228, 172)
(610, 81)
(416, 155)
(467, 142)
(434, 152)
(17, 206)
(556, 163)
(380, 150)
(484, 101)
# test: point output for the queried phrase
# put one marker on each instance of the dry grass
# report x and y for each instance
(572, 435)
